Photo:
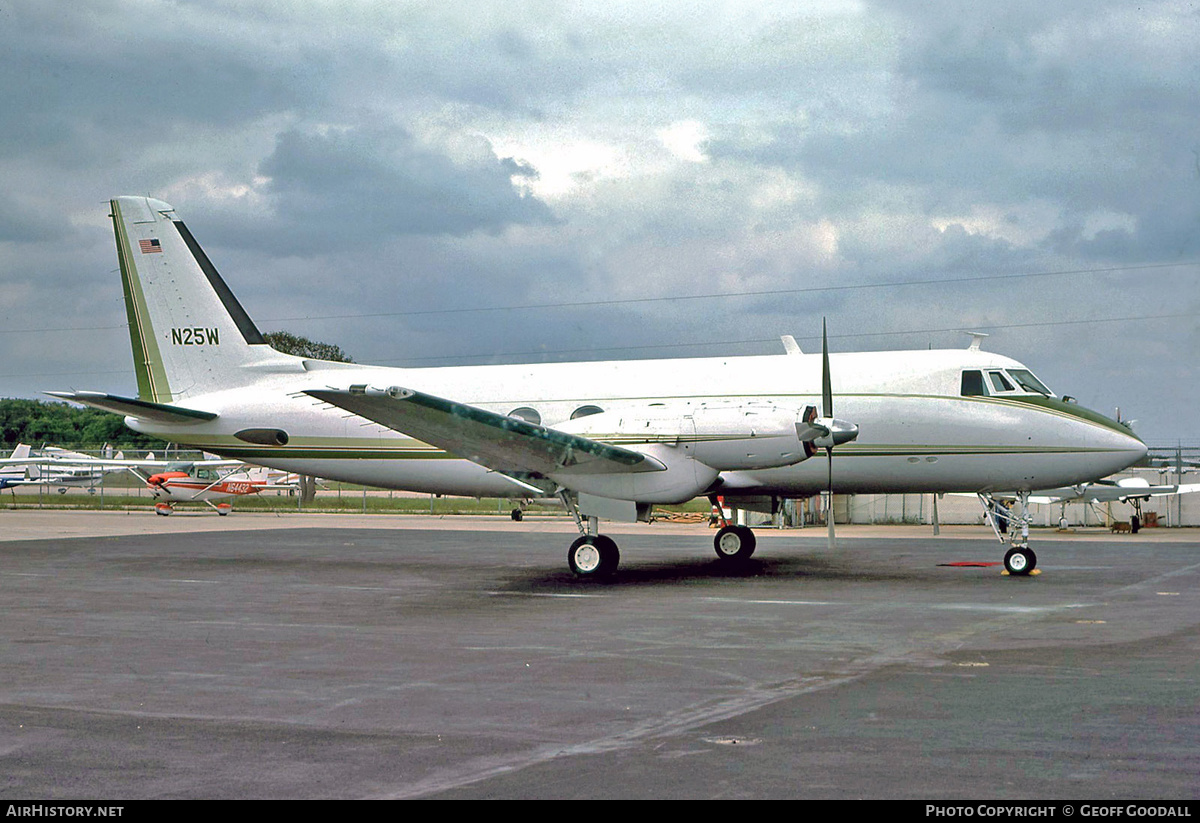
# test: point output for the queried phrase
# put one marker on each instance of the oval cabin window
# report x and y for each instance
(586, 411)
(527, 414)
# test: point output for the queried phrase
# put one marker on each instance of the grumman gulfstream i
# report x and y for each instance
(610, 439)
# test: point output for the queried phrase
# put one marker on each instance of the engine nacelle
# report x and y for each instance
(695, 442)
(679, 477)
(748, 436)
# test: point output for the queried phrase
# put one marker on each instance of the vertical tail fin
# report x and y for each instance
(21, 452)
(189, 333)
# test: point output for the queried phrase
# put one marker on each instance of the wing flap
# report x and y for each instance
(501, 443)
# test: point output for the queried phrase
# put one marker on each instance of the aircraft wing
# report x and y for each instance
(110, 464)
(158, 412)
(501, 443)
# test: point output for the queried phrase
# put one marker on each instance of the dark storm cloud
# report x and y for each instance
(82, 83)
(347, 187)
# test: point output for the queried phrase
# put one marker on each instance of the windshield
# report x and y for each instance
(1027, 381)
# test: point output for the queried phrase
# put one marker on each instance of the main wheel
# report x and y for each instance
(735, 543)
(1020, 560)
(593, 556)
(517, 515)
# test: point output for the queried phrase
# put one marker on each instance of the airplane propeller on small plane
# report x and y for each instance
(825, 431)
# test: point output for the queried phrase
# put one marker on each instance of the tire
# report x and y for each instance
(593, 556)
(735, 543)
(1020, 561)
(517, 515)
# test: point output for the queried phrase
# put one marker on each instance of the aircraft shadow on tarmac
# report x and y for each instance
(840, 567)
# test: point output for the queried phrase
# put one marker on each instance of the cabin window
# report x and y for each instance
(1028, 382)
(972, 384)
(999, 381)
(586, 411)
(529, 415)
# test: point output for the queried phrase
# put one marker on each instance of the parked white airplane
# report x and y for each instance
(609, 438)
(15, 468)
(1132, 490)
(1124, 490)
(51, 466)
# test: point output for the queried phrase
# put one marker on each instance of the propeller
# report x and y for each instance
(825, 431)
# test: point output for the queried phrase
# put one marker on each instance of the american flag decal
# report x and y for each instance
(150, 246)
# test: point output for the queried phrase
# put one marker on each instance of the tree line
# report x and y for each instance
(39, 422)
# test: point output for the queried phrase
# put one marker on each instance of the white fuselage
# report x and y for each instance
(917, 433)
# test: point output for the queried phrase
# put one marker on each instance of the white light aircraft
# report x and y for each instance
(610, 439)
(14, 471)
(51, 466)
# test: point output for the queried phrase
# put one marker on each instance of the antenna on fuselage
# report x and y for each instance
(976, 339)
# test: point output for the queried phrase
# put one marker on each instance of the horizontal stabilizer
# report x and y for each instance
(158, 412)
(501, 443)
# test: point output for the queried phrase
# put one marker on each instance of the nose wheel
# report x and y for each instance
(1020, 560)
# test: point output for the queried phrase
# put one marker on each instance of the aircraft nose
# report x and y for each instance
(1123, 445)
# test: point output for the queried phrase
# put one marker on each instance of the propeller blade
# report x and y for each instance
(826, 383)
(827, 411)
(829, 498)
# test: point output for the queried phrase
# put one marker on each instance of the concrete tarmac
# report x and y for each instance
(334, 656)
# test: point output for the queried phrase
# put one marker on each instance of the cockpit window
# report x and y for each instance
(1027, 381)
(972, 384)
(999, 382)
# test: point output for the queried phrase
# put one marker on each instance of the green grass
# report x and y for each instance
(350, 500)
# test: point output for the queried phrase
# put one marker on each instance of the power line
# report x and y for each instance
(775, 340)
(991, 278)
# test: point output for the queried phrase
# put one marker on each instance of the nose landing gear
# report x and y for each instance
(1020, 560)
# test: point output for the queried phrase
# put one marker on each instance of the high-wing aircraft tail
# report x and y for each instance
(189, 333)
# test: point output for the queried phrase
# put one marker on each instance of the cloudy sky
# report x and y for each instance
(450, 183)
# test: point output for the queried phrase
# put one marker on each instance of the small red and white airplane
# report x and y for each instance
(192, 483)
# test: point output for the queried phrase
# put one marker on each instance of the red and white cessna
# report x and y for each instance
(192, 484)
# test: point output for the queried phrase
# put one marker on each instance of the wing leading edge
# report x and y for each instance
(503, 444)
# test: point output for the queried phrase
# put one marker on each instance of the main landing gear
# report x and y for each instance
(595, 555)
(734, 543)
(591, 555)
